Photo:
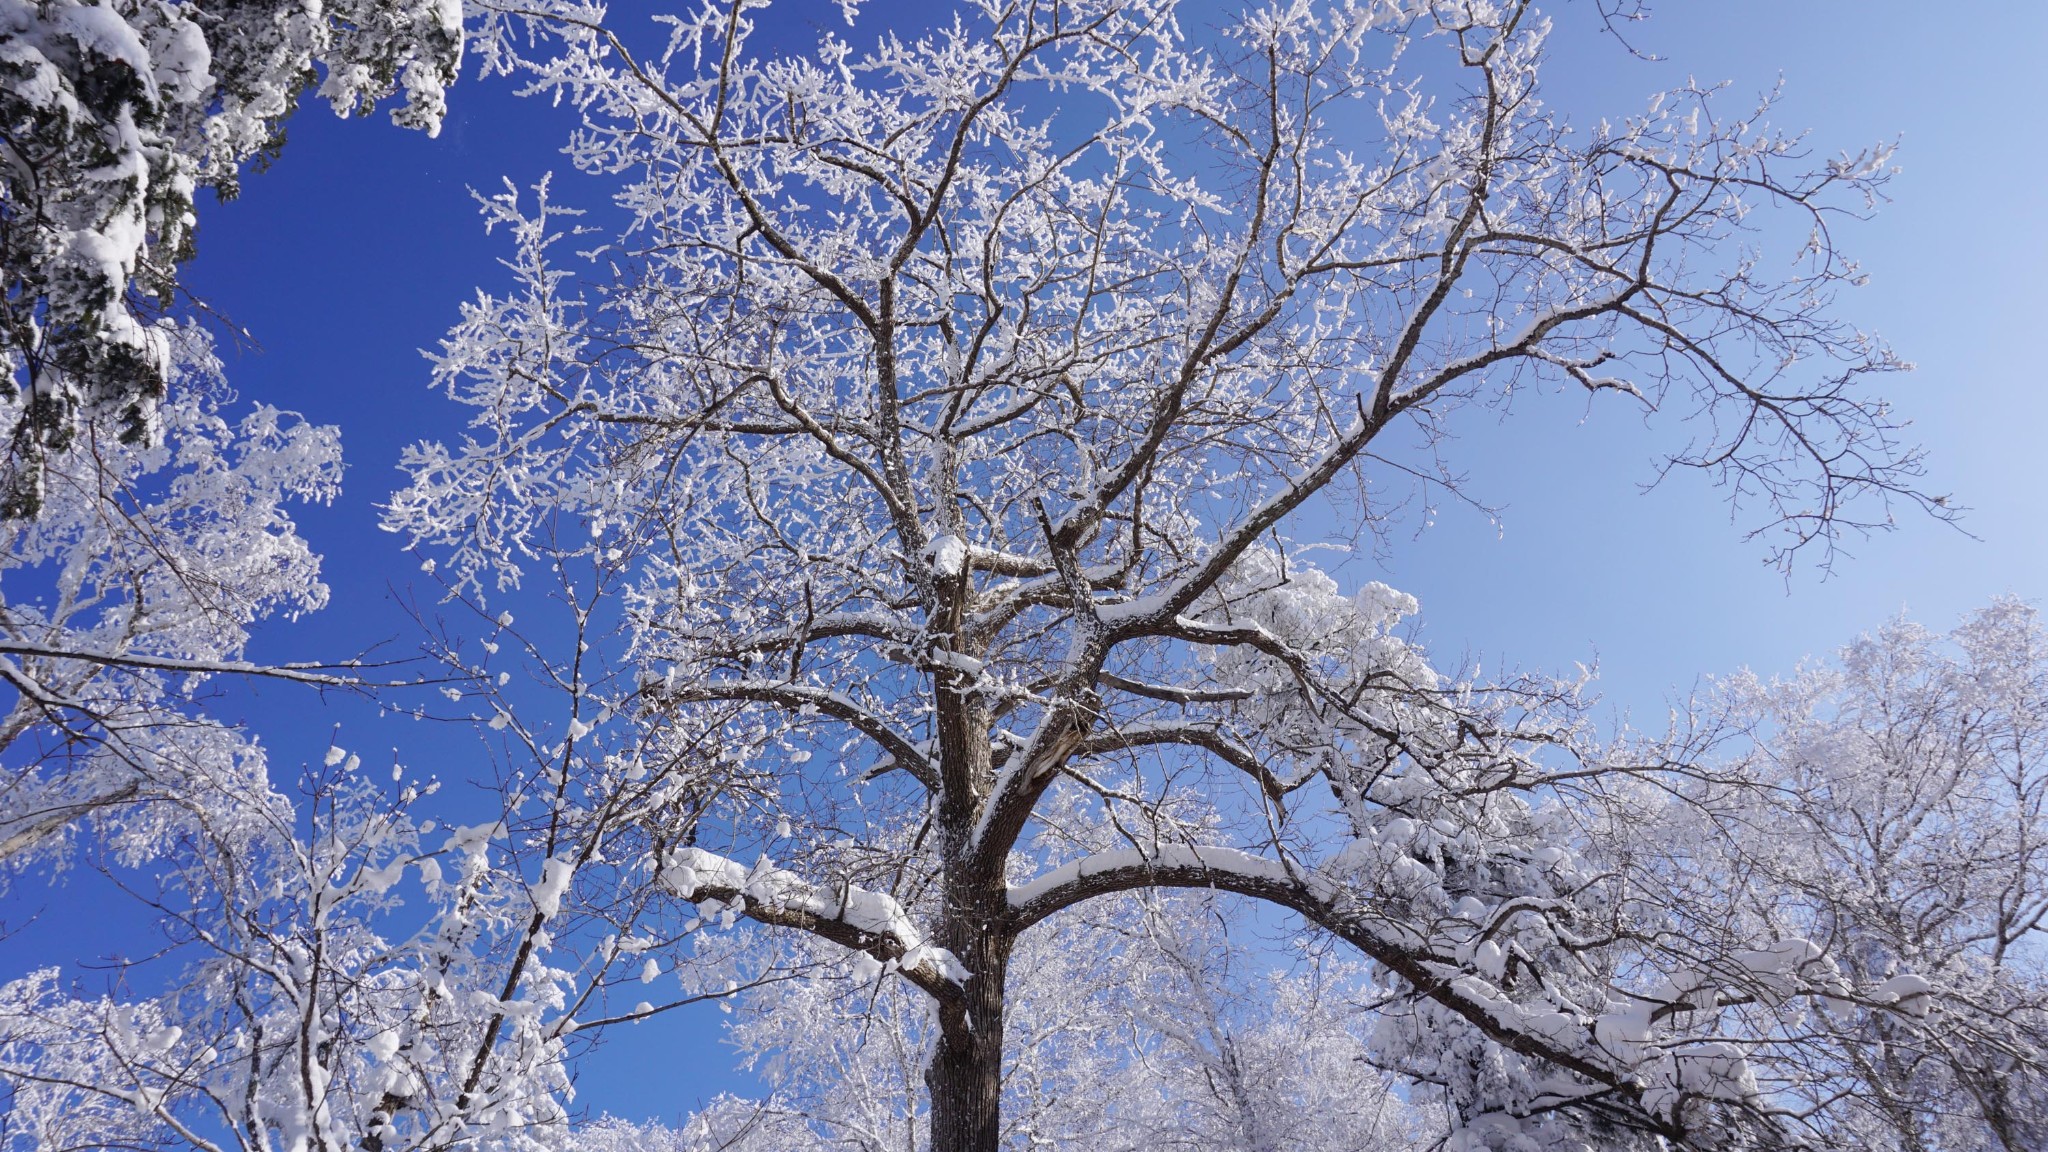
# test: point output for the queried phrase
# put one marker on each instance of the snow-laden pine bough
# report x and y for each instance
(117, 115)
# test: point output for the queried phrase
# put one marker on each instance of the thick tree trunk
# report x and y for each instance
(965, 1078)
(966, 1073)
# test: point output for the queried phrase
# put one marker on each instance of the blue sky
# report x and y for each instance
(353, 251)
(1659, 586)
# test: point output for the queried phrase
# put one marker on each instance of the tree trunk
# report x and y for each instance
(966, 1074)
(965, 1079)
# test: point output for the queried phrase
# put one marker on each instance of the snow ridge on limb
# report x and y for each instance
(872, 922)
(1428, 961)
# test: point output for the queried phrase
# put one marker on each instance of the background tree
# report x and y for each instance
(305, 1014)
(946, 410)
(1898, 819)
(341, 967)
(322, 943)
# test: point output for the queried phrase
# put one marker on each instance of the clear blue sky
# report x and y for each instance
(354, 250)
(1659, 585)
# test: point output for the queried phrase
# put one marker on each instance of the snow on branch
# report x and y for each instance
(872, 922)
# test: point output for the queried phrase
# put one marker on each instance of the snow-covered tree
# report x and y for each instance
(307, 1014)
(335, 969)
(1897, 820)
(340, 969)
(947, 418)
(143, 576)
(281, 1009)
(112, 117)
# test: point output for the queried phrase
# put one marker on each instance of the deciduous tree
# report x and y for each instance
(1897, 817)
(951, 414)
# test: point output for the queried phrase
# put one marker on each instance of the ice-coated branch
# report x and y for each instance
(318, 674)
(1209, 738)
